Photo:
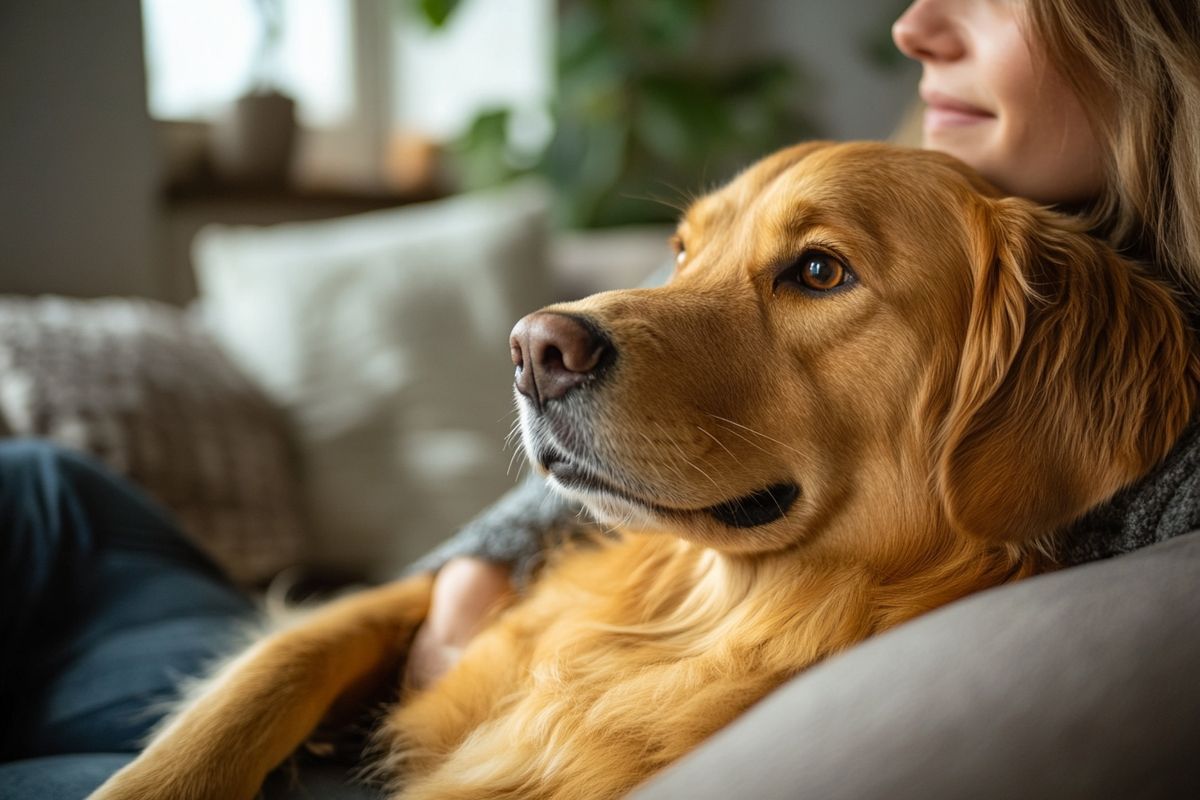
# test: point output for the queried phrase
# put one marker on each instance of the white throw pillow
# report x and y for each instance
(385, 338)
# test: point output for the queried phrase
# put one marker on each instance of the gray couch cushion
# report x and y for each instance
(1078, 684)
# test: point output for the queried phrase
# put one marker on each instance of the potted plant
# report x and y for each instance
(638, 111)
(253, 141)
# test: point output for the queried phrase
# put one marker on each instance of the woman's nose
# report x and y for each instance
(927, 31)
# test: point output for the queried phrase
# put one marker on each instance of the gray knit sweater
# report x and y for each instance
(516, 530)
(519, 528)
(1164, 504)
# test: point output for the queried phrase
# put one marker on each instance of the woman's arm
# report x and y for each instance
(478, 568)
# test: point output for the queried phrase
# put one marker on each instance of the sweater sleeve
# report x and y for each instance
(516, 531)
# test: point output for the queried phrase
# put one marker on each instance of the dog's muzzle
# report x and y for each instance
(556, 354)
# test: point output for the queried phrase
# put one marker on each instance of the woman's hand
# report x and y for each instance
(465, 590)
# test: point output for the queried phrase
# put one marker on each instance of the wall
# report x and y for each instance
(848, 97)
(77, 150)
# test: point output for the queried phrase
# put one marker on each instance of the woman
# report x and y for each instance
(1093, 107)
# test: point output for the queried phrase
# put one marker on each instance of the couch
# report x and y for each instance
(338, 397)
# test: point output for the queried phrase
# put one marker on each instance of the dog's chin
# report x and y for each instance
(740, 525)
(608, 504)
(752, 522)
(611, 510)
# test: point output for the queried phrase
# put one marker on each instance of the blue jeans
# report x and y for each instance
(104, 606)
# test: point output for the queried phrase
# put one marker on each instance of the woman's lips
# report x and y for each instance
(944, 111)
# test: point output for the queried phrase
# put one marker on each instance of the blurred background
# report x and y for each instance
(129, 120)
(314, 221)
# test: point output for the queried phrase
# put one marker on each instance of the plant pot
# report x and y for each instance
(254, 140)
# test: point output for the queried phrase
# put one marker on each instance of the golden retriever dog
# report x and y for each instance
(873, 386)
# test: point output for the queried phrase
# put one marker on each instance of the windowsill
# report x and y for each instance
(208, 191)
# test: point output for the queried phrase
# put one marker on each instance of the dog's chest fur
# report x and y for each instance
(623, 659)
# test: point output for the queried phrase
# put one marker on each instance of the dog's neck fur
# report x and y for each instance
(658, 643)
(883, 556)
(686, 598)
(635, 650)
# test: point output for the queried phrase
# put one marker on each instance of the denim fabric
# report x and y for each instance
(76, 776)
(58, 777)
(105, 608)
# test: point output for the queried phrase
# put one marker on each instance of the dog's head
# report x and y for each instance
(859, 334)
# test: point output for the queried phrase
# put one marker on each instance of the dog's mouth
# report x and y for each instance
(573, 476)
(750, 511)
(760, 508)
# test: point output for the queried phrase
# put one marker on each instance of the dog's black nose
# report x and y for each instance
(554, 353)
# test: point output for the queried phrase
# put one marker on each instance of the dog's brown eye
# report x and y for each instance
(821, 271)
(816, 271)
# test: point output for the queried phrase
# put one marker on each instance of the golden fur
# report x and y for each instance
(993, 374)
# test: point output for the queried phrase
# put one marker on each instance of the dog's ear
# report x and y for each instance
(1077, 375)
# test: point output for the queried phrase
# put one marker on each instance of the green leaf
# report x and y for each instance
(480, 157)
(641, 114)
(436, 12)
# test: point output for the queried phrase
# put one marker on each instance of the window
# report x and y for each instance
(359, 70)
(492, 53)
(200, 56)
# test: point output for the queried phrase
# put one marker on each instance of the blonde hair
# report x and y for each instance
(1135, 64)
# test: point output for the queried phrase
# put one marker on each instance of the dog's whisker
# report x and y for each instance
(683, 199)
(616, 526)
(512, 458)
(720, 444)
(659, 477)
(683, 456)
(518, 451)
(648, 197)
(716, 485)
(513, 432)
(778, 507)
(757, 433)
(750, 442)
(675, 469)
